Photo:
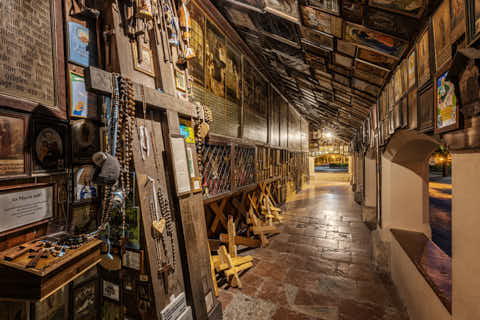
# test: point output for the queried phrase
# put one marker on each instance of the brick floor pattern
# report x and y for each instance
(317, 268)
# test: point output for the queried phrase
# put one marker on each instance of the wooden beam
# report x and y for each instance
(100, 82)
(244, 241)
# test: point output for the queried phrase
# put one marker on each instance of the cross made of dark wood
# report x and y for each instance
(163, 272)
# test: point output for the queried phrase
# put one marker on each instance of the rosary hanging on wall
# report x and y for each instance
(202, 128)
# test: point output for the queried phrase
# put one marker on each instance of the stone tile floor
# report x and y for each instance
(317, 268)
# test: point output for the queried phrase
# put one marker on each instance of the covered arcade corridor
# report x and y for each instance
(318, 267)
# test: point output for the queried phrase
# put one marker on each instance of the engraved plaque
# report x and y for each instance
(26, 50)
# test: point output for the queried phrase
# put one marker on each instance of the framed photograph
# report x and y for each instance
(345, 47)
(48, 146)
(317, 39)
(83, 104)
(457, 19)
(111, 290)
(391, 23)
(81, 45)
(145, 65)
(180, 80)
(352, 11)
(446, 105)
(286, 9)
(376, 58)
(412, 71)
(83, 218)
(111, 310)
(423, 58)
(52, 308)
(330, 6)
(413, 8)
(85, 140)
(83, 186)
(375, 40)
(197, 42)
(132, 260)
(441, 35)
(426, 107)
(84, 300)
(412, 109)
(14, 161)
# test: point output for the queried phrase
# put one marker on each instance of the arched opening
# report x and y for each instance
(440, 198)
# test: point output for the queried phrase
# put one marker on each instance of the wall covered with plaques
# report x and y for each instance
(225, 80)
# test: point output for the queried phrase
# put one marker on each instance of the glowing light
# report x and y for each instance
(328, 134)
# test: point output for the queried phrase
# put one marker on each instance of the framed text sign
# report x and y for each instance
(23, 207)
(27, 51)
(180, 163)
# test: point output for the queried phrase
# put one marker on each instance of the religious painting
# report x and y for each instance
(426, 109)
(412, 8)
(215, 60)
(81, 45)
(111, 310)
(261, 96)
(322, 21)
(286, 9)
(342, 60)
(375, 40)
(248, 84)
(331, 6)
(341, 79)
(239, 17)
(376, 58)
(49, 146)
(85, 140)
(317, 39)
(404, 76)
(371, 69)
(339, 69)
(82, 103)
(13, 155)
(256, 5)
(83, 218)
(52, 308)
(144, 65)
(84, 188)
(180, 80)
(391, 93)
(390, 23)
(365, 87)
(457, 19)
(423, 59)
(197, 43)
(411, 69)
(352, 11)
(446, 105)
(233, 75)
(346, 47)
(473, 21)
(398, 88)
(441, 35)
(412, 109)
(84, 300)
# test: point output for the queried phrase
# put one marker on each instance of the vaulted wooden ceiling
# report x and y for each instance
(330, 58)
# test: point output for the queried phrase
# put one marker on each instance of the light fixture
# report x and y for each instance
(328, 134)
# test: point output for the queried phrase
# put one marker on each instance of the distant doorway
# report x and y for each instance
(440, 195)
(331, 163)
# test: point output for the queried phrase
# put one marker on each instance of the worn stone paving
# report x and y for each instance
(317, 268)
